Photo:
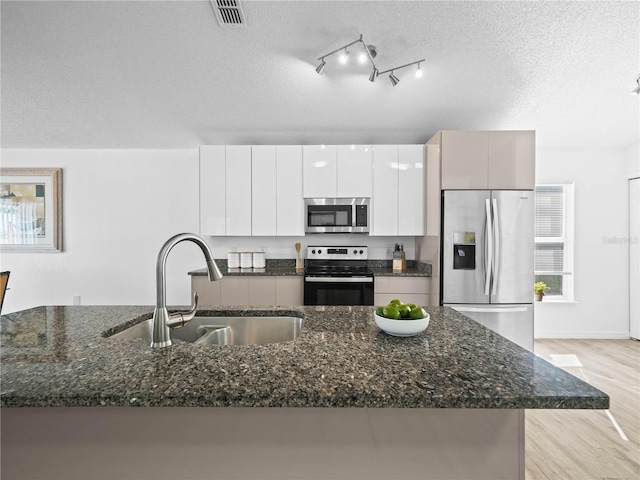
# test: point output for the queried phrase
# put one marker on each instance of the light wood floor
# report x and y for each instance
(585, 444)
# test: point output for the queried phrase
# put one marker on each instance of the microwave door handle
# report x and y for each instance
(488, 247)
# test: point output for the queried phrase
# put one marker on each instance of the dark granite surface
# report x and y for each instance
(59, 356)
(278, 267)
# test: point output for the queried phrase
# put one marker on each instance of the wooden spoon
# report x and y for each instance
(298, 260)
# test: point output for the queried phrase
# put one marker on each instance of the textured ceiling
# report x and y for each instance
(155, 74)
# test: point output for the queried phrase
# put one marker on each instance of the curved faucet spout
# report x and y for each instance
(161, 318)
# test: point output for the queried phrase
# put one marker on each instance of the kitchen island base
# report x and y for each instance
(262, 443)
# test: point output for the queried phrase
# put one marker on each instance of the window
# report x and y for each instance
(554, 240)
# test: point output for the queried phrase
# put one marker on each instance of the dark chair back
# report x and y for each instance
(4, 280)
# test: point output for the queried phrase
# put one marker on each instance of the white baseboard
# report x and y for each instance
(583, 335)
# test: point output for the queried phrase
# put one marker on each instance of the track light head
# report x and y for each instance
(320, 68)
(394, 80)
(419, 72)
(344, 57)
(374, 74)
(370, 51)
(636, 91)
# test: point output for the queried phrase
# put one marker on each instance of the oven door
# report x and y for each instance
(338, 290)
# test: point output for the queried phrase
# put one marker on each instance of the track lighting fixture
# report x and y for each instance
(636, 90)
(369, 52)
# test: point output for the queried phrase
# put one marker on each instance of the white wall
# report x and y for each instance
(119, 207)
(601, 307)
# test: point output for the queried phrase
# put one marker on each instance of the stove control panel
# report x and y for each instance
(322, 252)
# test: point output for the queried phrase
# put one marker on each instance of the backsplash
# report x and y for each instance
(283, 247)
(291, 263)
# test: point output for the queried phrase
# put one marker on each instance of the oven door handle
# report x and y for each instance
(339, 279)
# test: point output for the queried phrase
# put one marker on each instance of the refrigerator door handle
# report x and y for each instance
(496, 253)
(488, 249)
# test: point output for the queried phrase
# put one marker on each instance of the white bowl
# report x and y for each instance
(401, 328)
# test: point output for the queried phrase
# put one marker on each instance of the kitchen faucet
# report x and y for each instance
(162, 319)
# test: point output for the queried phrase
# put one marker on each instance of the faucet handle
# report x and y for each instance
(180, 319)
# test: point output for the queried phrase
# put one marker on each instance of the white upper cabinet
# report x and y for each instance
(481, 160)
(225, 190)
(259, 190)
(384, 202)
(320, 171)
(247, 190)
(337, 171)
(289, 199)
(354, 171)
(411, 173)
(263, 190)
(398, 190)
(212, 190)
(238, 194)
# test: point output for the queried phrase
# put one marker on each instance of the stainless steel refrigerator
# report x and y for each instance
(487, 259)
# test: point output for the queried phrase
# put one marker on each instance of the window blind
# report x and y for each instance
(550, 225)
(549, 258)
(550, 212)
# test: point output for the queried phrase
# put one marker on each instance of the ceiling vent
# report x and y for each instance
(228, 13)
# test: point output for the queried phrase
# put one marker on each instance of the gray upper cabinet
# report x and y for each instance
(485, 160)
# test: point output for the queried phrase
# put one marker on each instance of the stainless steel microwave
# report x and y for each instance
(337, 215)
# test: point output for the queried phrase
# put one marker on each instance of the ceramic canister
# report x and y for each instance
(246, 259)
(259, 260)
(233, 260)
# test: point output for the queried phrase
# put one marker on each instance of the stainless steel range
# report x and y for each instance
(338, 275)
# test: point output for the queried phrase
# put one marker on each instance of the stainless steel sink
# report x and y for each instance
(225, 330)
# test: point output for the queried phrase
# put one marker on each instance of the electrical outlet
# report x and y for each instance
(390, 252)
(76, 299)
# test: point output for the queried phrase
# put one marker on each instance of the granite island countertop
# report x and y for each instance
(60, 356)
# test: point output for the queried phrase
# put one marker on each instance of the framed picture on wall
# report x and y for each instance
(31, 209)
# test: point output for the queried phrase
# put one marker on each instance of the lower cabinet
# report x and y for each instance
(407, 289)
(249, 291)
(257, 291)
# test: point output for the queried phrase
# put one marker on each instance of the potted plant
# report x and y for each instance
(538, 290)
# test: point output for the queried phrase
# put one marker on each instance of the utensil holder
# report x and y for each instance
(399, 262)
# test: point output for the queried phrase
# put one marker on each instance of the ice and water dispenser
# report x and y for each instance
(464, 250)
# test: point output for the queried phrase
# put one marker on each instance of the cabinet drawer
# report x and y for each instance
(289, 290)
(402, 285)
(249, 291)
